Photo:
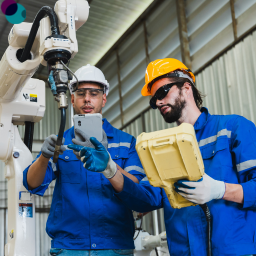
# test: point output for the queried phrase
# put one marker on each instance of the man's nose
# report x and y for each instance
(87, 97)
(159, 103)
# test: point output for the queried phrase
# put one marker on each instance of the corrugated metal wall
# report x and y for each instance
(229, 82)
(210, 30)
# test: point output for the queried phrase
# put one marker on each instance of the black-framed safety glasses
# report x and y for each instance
(93, 92)
(161, 94)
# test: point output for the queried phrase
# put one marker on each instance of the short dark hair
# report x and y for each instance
(198, 96)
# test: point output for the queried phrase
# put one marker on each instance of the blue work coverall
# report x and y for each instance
(84, 213)
(228, 148)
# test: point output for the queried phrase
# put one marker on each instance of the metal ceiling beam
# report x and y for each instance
(234, 22)
(183, 32)
(146, 41)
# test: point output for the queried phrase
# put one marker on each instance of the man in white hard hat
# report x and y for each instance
(85, 217)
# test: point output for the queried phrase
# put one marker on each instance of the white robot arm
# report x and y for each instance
(148, 245)
(151, 242)
(51, 41)
(27, 48)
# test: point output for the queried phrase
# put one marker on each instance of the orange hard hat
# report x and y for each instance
(161, 67)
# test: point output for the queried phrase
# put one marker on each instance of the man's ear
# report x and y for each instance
(188, 89)
(104, 101)
(72, 99)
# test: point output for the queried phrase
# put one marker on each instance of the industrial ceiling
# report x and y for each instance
(108, 20)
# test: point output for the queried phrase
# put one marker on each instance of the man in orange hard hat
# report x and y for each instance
(228, 148)
(168, 71)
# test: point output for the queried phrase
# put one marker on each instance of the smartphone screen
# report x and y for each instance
(90, 124)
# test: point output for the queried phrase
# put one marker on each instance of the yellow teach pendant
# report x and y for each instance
(170, 155)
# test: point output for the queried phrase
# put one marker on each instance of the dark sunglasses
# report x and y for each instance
(161, 93)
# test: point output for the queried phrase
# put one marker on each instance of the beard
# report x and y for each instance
(176, 111)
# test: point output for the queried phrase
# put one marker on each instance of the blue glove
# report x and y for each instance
(201, 191)
(86, 141)
(96, 160)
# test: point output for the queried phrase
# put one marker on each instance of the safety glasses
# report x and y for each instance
(161, 93)
(93, 93)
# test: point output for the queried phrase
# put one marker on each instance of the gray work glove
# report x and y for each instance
(49, 146)
(86, 141)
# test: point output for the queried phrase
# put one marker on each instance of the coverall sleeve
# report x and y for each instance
(243, 144)
(50, 175)
(133, 164)
(140, 197)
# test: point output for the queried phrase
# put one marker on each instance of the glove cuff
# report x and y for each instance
(111, 169)
(46, 155)
(221, 188)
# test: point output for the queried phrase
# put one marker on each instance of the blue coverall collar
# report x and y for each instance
(108, 128)
(202, 119)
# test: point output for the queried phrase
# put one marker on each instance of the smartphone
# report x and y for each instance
(90, 124)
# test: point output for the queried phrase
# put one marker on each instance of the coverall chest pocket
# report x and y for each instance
(119, 155)
(215, 156)
(69, 167)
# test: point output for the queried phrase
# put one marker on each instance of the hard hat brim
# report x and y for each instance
(84, 81)
(144, 90)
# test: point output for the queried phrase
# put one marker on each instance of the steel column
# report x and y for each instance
(120, 87)
(184, 42)
(146, 41)
(234, 22)
(143, 122)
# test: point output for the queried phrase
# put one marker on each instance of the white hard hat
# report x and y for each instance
(89, 73)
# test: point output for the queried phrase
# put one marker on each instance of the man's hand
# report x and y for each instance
(96, 159)
(86, 141)
(37, 170)
(49, 146)
(201, 191)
